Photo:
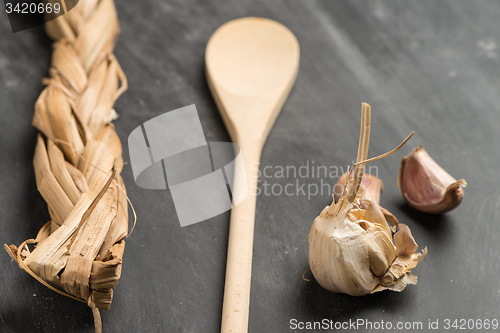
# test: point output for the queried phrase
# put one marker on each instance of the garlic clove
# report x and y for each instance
(404, 241)
(374, 213)
(426, 186)
(382, 255)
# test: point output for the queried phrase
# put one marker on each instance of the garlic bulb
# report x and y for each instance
(350, 243)
(426, 186)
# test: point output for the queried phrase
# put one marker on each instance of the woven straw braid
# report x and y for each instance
(78, 160)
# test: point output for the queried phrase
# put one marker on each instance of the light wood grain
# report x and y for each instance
(251, 66)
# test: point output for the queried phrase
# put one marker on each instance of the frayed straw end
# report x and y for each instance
(11, 250)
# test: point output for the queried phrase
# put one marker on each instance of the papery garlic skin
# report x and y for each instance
(351, 251)
(426, 186)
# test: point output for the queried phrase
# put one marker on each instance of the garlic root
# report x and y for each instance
(351, 249)
(426, 186)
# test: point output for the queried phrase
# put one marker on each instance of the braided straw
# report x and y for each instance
(78, 161)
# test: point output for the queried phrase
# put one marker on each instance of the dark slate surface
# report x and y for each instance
(426, 66)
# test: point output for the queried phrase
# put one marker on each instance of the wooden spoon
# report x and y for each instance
(251, 66)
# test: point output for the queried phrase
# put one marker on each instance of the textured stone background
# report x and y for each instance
(431, 67)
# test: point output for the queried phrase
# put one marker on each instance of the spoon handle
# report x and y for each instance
(239, 253)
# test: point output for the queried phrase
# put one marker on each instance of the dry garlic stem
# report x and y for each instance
(370, 188)
(426, 186)
(350, 244)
